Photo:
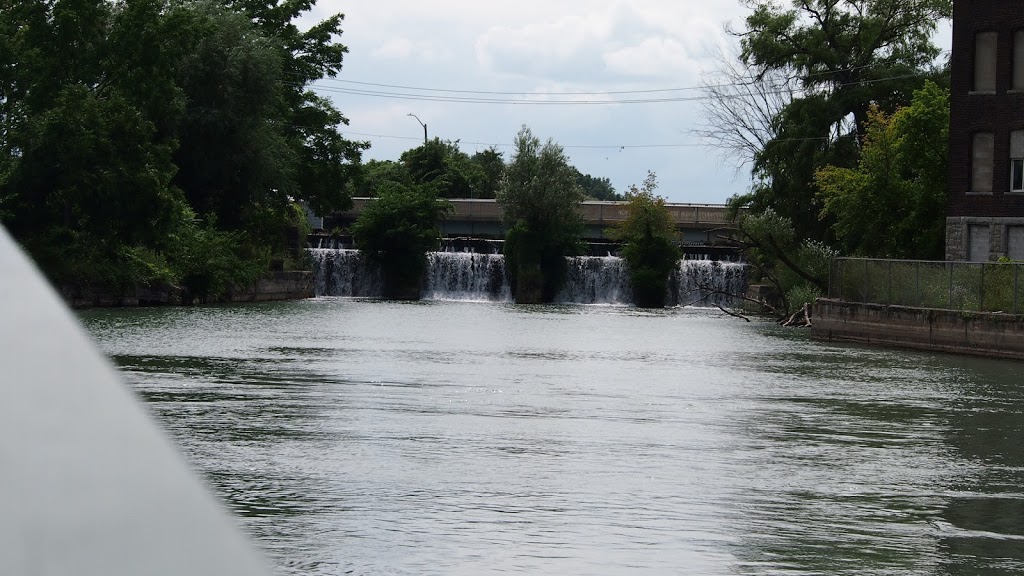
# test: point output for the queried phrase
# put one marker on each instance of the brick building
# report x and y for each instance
(986, 178)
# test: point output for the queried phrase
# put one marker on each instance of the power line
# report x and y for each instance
(440, 91)
(575, 102)
(622, 147)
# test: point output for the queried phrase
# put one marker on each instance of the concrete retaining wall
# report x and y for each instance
(275, 286)
(980, 334)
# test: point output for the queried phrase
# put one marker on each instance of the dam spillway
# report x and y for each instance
(472, 277)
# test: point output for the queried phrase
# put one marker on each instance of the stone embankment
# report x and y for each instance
(275, 286)
(994, 335)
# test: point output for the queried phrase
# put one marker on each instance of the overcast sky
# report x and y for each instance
(535, 50)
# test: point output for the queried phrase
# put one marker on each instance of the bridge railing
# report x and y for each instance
(964, 286)
(593, 212)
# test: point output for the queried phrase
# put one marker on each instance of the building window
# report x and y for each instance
(1018, 60)
(1015, 242)
(1017, 161)
(982, 153)
(985, 61)
(979, 238)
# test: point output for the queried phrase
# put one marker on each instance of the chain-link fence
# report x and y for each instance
(968, 286)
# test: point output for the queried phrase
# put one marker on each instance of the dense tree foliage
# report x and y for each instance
(893, 204)
(444, 167)
(491, 165)
(133, 131)
(396, 231)
(597, 188)
(844, 56)
(797, 268)
(540, 198)
(649, 244)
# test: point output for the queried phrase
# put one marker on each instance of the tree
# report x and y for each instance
(649, 244)
(442, 165)
(491, 166)
(376, 173)
(396, 231)
(842, 55)
(797, 268)
(740, 107)
(597, 188)
(116, 115)
(540, 198)
(893, 204)
(85, 159)
(234, 161)
(326, 162)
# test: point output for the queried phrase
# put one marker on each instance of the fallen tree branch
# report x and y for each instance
(713, 291)
(733, 314)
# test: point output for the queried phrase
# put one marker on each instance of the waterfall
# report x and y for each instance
(687, 279)
(596, 280)
(345, 273)
(466, 276)
(482, 277)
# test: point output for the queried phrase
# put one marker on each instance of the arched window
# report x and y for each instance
(1018, 60)
(982, 154)
(985, 44)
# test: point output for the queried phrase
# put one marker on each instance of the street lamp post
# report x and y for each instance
(421, 124)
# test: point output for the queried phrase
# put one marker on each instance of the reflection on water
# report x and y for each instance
(449, 438)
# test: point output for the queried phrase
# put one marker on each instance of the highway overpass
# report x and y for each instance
(697, 223)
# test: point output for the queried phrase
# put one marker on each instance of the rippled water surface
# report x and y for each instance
(451, 438)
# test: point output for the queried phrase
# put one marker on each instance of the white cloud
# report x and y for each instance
(402, 48)
(661, 58)
(542, 48)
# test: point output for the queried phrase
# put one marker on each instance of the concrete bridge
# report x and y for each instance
(473, 218)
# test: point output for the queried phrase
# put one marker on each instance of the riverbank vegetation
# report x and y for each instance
(838, 110)
(166, 142)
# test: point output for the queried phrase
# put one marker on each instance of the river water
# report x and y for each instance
(370, 437)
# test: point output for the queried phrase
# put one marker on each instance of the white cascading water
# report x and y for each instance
(596, 280)
(345, 273)
(704, 283)
(467, 276)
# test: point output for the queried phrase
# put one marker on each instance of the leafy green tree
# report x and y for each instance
(797, 268)
(116, 115)
(234, 160)
(845, 55)
(326, 162)
(85, 160)
(376, 173)
(491, 166)
(396, 231)
(649, 244)
(597, 188)
(893, 204)
(442, 165)
(540, 198)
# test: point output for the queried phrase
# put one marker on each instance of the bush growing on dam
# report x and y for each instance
(540, 198)
(396, 231)
(649, 244)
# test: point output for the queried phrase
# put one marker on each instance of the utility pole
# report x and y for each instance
(421, 124)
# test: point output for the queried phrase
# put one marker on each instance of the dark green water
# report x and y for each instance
(453, 438)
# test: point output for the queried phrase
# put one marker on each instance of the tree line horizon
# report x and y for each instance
(170, 141)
